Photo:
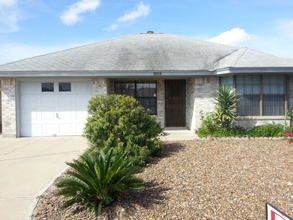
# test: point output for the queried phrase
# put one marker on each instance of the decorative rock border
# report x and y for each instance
(238, 138)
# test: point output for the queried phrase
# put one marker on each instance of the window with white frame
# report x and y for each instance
(259, 95)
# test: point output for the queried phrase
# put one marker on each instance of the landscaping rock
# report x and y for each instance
(219, 179)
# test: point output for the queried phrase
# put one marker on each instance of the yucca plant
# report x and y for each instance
(96, 179)
(226, 106)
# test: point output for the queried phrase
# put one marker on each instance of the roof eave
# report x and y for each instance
(105, 74)
(268, 70)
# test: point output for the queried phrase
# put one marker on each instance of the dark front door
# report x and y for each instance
(175, 101)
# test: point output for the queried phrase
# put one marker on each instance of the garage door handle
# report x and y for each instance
(57, 115)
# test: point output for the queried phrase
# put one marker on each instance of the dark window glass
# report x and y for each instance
(271, 89)
(47, 87)
(273, 84)
(248, 85)
(64, 87)
(273, 105)
(227, 81)
(248, 105)
(125, 88)
(145, 91)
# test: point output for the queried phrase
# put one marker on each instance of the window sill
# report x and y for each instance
(275, 117)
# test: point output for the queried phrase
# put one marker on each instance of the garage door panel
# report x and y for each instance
(53, 113)
(79, 128)
(66, 129)
(48, 102)
(66, 115)
(28, 129)
(65, 102)
(48, 116)
(29, 115)
(81, 115)
(30, 87)
(82, 87)
(48, 129)
(81, 101)
(29, 101)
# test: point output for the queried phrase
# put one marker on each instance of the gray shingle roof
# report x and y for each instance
(153, 52)
(249, 58)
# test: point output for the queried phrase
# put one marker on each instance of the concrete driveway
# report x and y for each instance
(28, 166)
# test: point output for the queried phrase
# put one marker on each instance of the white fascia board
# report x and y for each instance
(226, 71)
(108, 74)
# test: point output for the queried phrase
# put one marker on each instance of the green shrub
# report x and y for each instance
(96, 179)
(209, 122)
(236, 131)
(120, 123)
(267, 130)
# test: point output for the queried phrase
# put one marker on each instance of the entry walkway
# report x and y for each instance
(178, 135)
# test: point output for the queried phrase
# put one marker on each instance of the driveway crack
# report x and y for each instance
(21, 147)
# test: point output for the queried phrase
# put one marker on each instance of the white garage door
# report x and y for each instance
(53, 108)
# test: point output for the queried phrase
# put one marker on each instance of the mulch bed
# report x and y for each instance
(216, 179)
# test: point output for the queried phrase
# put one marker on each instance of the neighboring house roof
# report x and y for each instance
(148, 52)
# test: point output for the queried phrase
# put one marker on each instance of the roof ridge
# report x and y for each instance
(224, 57)
(244, 51)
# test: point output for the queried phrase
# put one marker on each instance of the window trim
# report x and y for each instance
(135, 91)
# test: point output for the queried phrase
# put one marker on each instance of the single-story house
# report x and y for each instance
(173, 76)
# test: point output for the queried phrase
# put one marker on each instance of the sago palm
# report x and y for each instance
(226, 105)
(96, 178)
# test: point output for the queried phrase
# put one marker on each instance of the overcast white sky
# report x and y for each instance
(33, 27)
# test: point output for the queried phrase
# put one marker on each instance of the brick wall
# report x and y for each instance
(200, 96)
(8, 108)
(160, 97)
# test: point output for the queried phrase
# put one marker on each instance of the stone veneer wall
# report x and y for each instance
(200, 96)
(8, 90)
(100, 86)
(160, 97)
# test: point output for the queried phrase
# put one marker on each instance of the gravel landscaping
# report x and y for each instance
(200, 179)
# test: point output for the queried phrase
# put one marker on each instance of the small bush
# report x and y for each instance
(209, 122)
(96, 179)
(236, 131)
(267, 130)
(120, 123)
